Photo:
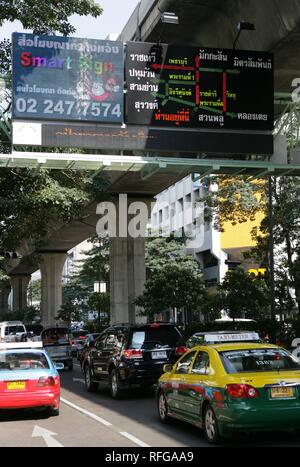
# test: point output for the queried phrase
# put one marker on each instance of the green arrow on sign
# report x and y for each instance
(234, 72)
(231, 114)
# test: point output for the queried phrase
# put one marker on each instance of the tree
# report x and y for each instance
(47, 17)
(233, 199)
(237, 200)
(30, 202)
(100, 302)
(69, 312)
(95, 267)
(241, 296)
(80, 286)
(28, 315)
(286, 221)
(174, 279)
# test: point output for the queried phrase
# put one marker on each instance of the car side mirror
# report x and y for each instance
(168, 368)
(91, 344)
(59, 366)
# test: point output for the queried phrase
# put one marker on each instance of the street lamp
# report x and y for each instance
(243, 26)
(100, 287)
(169, 17)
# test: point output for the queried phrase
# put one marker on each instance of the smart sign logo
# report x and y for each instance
(195, 87)
(59, 78)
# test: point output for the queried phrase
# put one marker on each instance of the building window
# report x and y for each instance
(209, 260)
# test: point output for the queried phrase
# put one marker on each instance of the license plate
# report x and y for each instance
(281, 392)
(157, 355)
(15, 385)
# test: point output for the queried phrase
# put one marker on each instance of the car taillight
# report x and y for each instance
(45, 381)
(181, 350)
(133, 353)
(242, 391)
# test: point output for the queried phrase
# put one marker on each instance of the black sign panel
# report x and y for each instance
(195, 87)
(154, 139)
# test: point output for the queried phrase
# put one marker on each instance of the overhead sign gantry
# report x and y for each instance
(68, 92)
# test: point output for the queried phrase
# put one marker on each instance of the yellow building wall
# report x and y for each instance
(238, 236)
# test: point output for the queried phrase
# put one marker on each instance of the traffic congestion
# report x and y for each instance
(227, 385)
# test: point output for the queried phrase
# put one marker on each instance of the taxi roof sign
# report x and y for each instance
(21, 345)
(231, 337)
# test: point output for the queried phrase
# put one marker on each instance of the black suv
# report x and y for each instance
(125, 355)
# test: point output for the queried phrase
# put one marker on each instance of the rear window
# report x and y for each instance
(79, 333)
(56, 336)
(23, 361)
(150, 337)
(14, 329)
(258, 360)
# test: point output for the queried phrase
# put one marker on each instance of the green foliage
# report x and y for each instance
(69, 312)
(47, 17)
(95, 267)
(30, 202)
(100, 302)
(286, 215)
(35, 291)
(80, 287)
(233, 199)
(28, 315)
(240, 294)
(174, 279)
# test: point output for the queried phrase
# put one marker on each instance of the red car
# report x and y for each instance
(28, 377)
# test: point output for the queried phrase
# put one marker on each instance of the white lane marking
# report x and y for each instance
(80, 380)
(85, 412)
(38, 431)
(104, 422)
(76, 364)
(134, 439)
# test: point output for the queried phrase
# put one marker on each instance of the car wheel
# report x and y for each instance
(90, 385)
(211, 426)
(115, 386)
(162, 408)
(53, 412)
(70, 366)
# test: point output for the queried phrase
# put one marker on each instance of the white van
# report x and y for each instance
(11, 331)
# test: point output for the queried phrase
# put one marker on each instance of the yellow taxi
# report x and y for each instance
(232, 383)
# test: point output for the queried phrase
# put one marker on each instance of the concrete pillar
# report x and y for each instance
(4, 294)
(127, 278)
(51, 267)
(19, 284)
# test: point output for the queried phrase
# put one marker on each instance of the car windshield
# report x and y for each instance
(258, 360)
(151, 337)
(55, 336)
(14, 329)
(16, 361)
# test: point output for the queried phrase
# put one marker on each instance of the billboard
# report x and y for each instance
(192, 87)
(67, 79)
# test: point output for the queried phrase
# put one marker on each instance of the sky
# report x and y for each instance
(114, 17)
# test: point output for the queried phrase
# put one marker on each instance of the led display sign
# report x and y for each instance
(67, 78)
(200, 88)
